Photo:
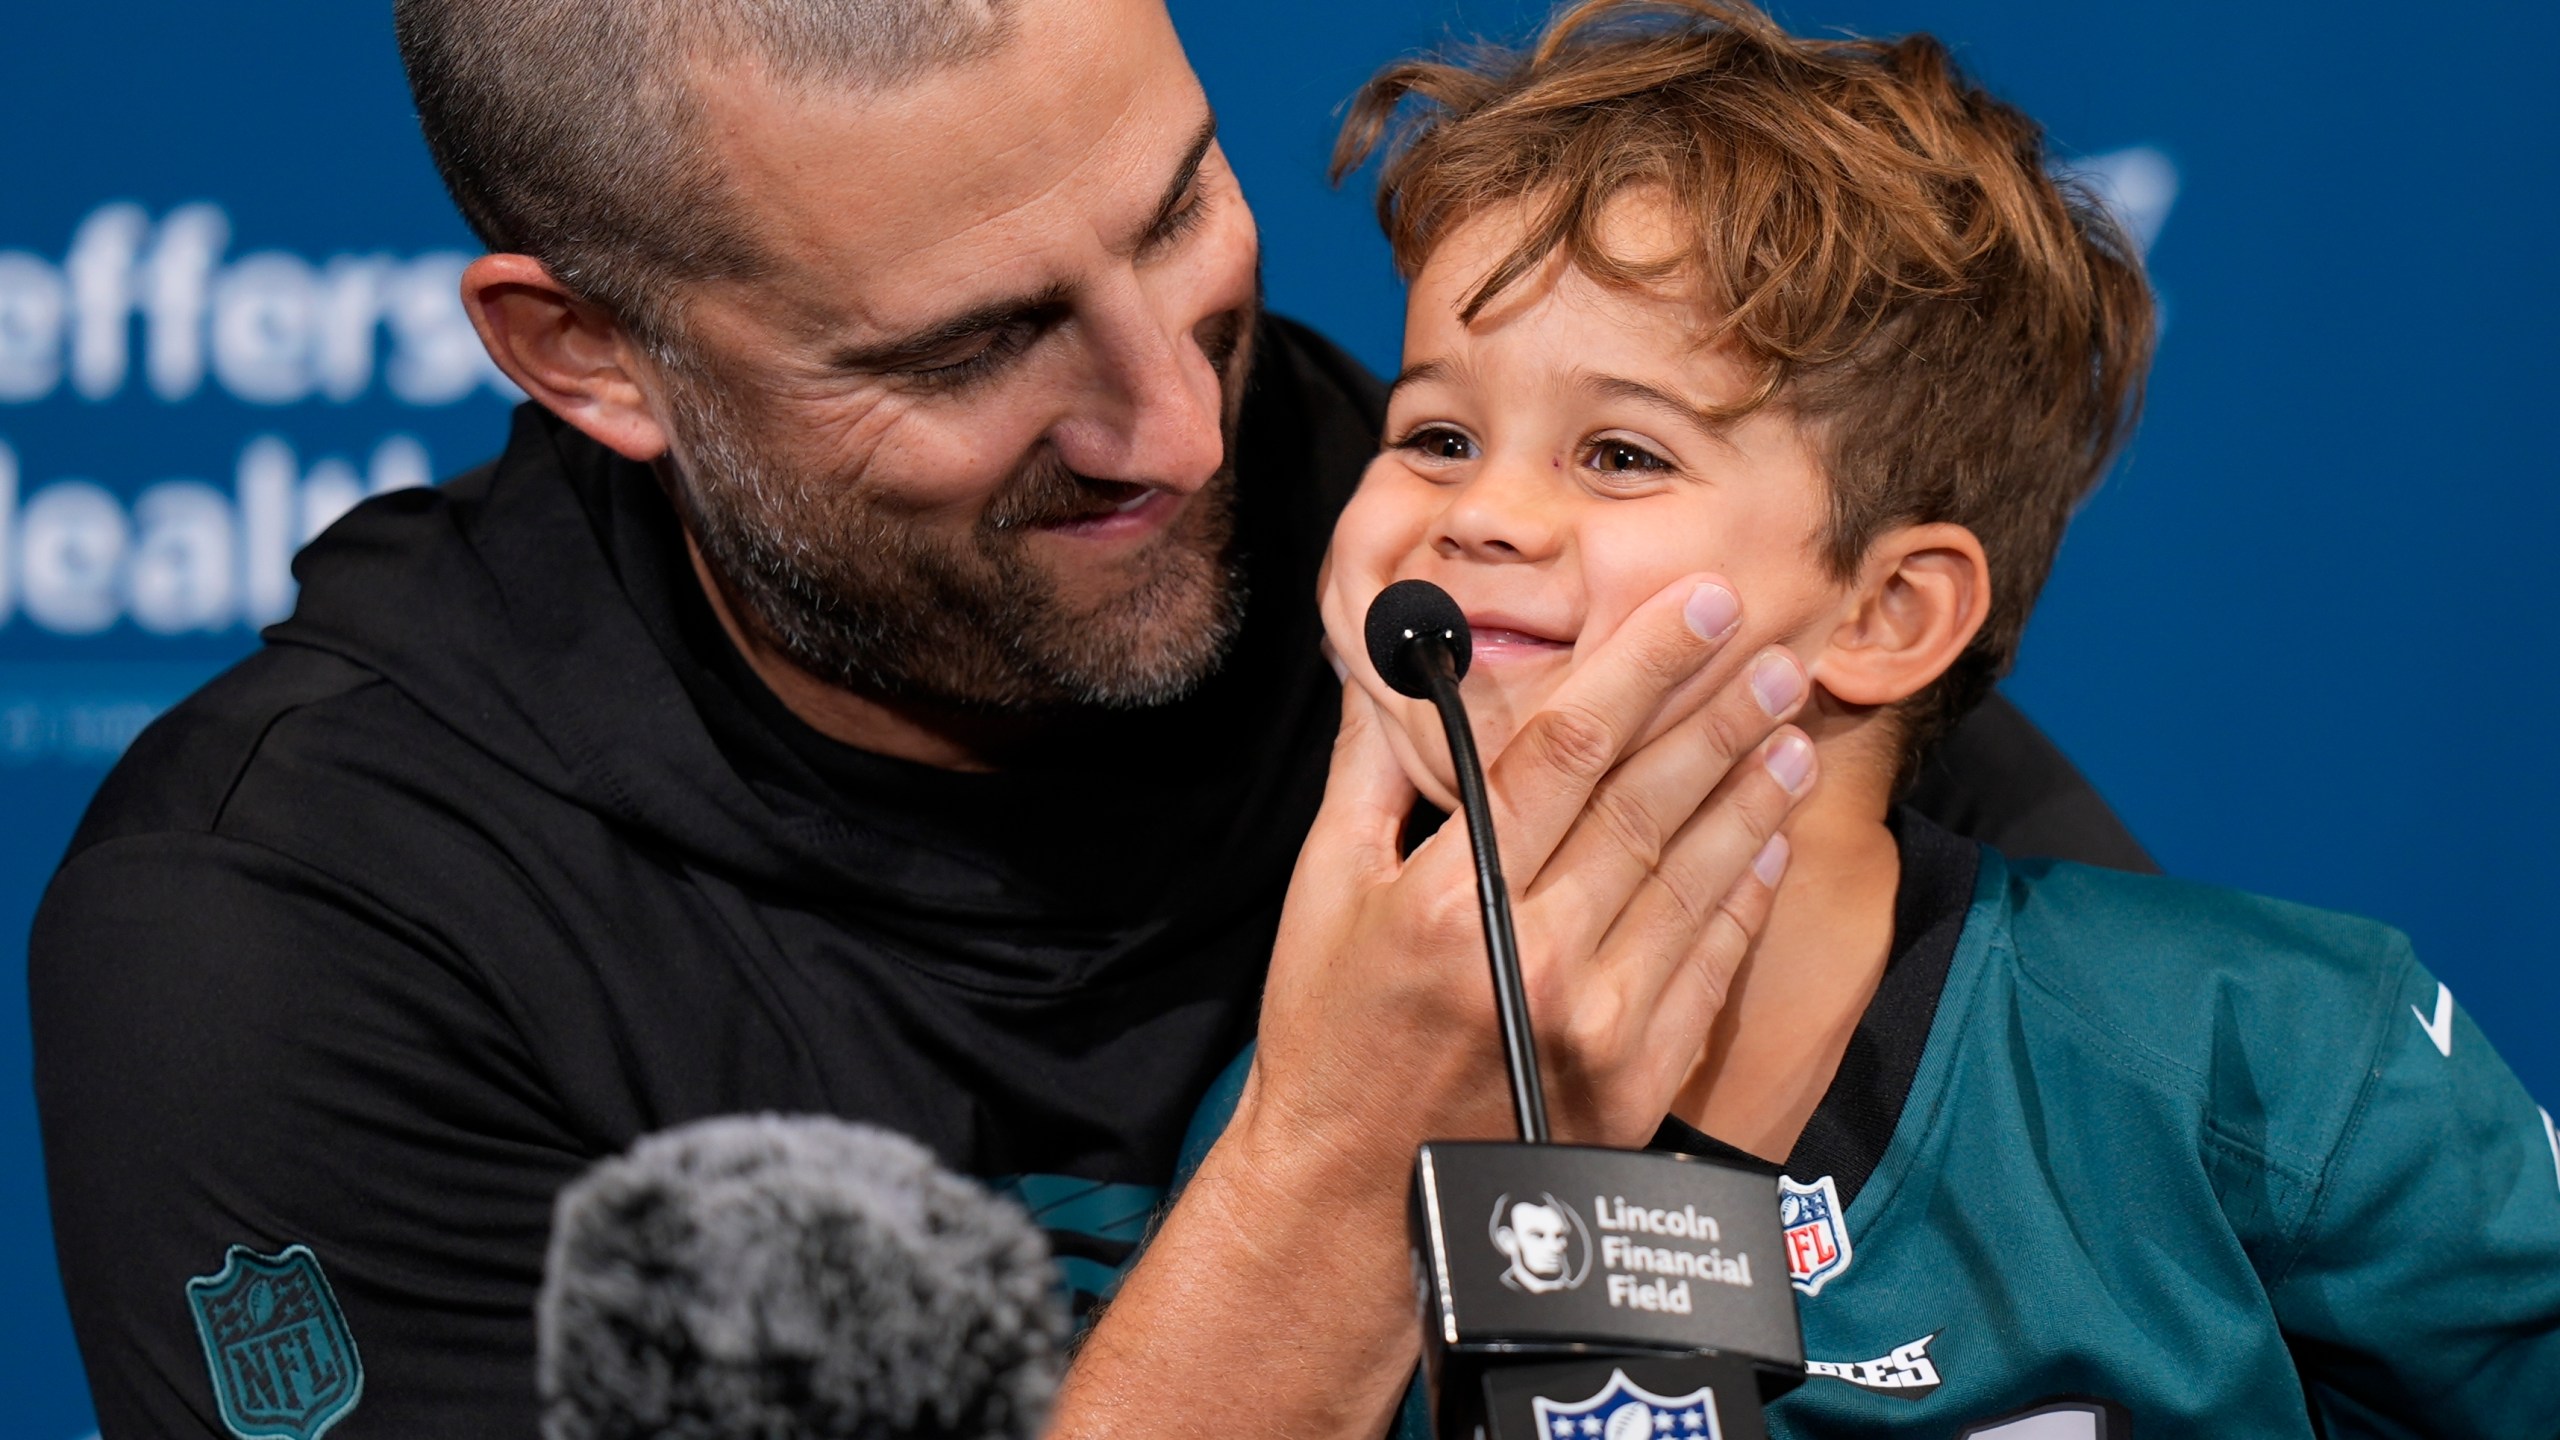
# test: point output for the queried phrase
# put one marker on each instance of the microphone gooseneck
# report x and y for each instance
(771, 1278)
(1419, 642)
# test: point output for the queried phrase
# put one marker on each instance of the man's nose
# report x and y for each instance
(1505, 513)
(1156, 412)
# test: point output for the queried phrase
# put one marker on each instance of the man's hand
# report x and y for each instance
(1632, 878)
(1637, 814)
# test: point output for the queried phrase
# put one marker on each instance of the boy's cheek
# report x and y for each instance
(1362, 560)
(1342, 600)
(1387, 519)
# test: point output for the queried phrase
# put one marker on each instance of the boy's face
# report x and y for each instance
(1545, 466)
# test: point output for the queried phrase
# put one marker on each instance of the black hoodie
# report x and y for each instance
(497, 857)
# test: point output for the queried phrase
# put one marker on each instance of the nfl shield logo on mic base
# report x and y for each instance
(1624, 1410)
(284, 1366)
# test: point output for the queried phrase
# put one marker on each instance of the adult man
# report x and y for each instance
(841, 697)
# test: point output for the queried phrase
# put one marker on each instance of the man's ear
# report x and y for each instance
(575, 359)
(1922, 593)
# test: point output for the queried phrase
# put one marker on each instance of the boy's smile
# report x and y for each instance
(1553, 464)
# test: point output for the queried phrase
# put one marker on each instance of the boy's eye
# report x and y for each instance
(1620, 457)
(1438, 442)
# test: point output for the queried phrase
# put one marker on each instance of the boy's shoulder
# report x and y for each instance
(2154, 945)
(2266, 1013)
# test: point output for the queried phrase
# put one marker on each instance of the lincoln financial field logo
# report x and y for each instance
(1544, 1241)
(157, 310)
(1547, 1248)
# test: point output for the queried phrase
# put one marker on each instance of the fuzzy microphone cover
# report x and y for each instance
(792, 1279)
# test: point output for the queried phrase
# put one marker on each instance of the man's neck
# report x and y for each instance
(1801, 991)
(917, 733)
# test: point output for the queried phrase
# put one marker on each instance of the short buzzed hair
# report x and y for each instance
(568, 129)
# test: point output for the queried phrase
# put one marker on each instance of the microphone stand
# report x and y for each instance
(1430, 656)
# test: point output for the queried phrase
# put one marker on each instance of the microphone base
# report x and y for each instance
(1553, 1278)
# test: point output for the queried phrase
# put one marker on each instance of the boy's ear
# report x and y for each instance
(570, 355)
(1922, 593)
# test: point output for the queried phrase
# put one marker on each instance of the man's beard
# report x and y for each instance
(868, 600)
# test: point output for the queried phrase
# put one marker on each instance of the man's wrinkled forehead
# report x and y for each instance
(886, 211)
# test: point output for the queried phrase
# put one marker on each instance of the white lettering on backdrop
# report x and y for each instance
(267, 328)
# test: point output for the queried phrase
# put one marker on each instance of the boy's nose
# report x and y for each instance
(1503, 514)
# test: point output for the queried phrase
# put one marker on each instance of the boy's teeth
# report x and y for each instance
(1133, 502)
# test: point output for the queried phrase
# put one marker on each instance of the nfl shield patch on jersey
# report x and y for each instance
(284, 1366)
(1624, 1410)
(1817, 1237)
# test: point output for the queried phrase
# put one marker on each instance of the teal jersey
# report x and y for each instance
(2175, 1161)
(2231, 1166)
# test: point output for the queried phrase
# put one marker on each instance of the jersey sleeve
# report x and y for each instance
(300, 1171)
(2424, 1295)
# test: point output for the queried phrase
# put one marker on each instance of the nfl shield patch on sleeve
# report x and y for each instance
(284, 1366)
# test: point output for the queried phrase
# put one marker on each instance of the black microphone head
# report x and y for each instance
(802, 1278)
(1411, 610)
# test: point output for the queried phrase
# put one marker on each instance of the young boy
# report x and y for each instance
(2066, 1150)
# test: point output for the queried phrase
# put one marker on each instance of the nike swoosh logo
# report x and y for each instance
(2440, 1029)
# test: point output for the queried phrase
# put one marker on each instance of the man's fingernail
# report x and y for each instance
(1790, 762)
(1771, 862)
(1712, 611)
(1777, 682)
(1341, 671)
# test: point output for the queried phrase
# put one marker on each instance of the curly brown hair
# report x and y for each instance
(1882, 243)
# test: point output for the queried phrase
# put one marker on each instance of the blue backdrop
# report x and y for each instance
(2298, 639)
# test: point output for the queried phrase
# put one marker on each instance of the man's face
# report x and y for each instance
(968, 441)
(1538, 1231)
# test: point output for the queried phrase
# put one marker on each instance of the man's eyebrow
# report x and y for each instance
(930, 340)
(1161, 223)
(927, 341)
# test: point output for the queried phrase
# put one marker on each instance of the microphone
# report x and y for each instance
(1692, 1326)
(1418, 639)
(792, 1279)
(1414, 628)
